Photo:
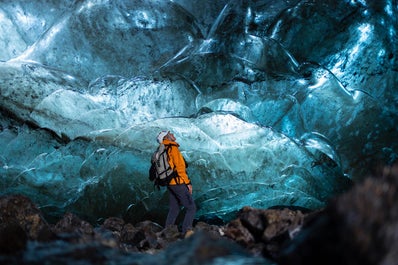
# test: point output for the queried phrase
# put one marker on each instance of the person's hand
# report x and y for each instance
(189, 188)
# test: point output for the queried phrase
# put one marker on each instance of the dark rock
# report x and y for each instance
(359, 227)
(170, 232)
(204, 248)
(74, 230)
(149, 227)
(264, 232)
(168, 236)
(150, 231)
(131, 235)
(239, 233)
(110, 239)
(147, 236)
(21, 211)
(70, 223)
(213, 230)
(114, 224)
(12, 238)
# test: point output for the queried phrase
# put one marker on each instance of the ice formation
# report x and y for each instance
(274, 103)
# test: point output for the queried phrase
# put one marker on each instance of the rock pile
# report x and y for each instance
(358, 227)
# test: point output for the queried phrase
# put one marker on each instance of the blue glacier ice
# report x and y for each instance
(274, 103)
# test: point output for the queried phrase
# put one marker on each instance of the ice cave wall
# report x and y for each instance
(273, 102)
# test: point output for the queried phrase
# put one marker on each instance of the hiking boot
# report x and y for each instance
(188, 233)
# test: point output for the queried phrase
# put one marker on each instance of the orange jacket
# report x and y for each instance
(177, 163)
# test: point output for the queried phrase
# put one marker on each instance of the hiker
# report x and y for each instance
(180, 187)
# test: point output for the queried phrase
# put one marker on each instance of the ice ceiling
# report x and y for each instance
(273, 102)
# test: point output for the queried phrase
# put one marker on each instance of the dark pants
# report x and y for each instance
(179, 196)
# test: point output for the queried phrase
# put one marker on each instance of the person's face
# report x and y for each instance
(171, 136)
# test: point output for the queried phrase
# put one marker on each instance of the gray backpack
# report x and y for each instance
(160, 171)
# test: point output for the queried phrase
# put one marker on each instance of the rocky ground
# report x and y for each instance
(358, 227)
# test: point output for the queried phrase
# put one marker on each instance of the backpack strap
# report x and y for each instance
(175, 174)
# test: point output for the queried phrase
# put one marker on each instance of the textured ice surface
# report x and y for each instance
(273, 102)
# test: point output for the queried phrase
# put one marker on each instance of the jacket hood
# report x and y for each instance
(167, 141)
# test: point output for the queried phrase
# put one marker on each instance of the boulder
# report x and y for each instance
(265, 231)
(19, 211)
(358, 227)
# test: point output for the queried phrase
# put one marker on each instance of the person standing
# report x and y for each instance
(180, 187)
